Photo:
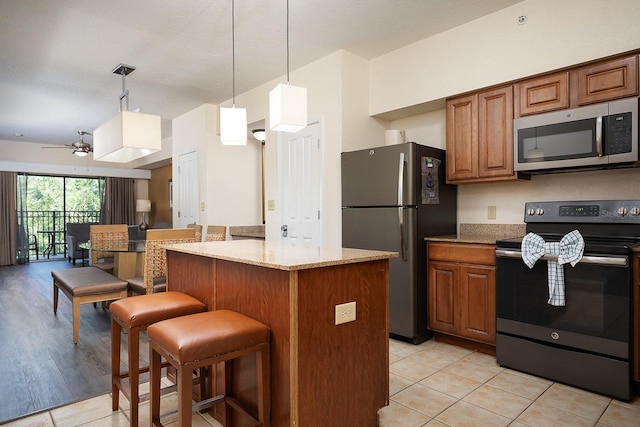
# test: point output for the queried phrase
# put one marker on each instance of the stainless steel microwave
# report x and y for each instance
(596, 136)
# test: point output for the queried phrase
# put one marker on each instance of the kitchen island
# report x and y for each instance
(323, 373)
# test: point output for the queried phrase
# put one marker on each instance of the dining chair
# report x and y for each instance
(216, 232)
(103, 235)
(155, 259)
(198, 229)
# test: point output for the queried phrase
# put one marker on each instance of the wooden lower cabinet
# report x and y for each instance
(461, 290)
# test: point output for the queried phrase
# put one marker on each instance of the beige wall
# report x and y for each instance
(228, 176)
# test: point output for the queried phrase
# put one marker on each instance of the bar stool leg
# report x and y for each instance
(116, 330)
(263, 363)
(155, 366)
(228, 386)
(184, 395)
(134, 374)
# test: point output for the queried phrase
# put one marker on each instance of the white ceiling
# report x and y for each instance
(57, 57)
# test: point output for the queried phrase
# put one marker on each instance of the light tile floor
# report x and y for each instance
(431, 385)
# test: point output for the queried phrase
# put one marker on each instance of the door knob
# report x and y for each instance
(285, 230)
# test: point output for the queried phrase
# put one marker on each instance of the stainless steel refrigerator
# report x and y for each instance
(392, 198)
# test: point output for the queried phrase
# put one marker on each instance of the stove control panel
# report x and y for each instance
(594, 211)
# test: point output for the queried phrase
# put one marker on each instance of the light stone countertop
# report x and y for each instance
(279, 256)
(482, 233)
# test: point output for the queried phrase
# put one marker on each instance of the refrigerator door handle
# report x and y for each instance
(403, 252)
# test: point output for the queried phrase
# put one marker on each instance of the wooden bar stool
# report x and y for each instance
(133, 315)
(201, 340)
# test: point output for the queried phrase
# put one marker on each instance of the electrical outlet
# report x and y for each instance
(491, 212)
(345, 312)
(271, 205)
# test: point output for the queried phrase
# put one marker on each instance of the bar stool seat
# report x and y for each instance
(200, 340)
(133, 315)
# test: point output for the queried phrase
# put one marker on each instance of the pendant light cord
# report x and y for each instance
(287, 41)
(233, 49)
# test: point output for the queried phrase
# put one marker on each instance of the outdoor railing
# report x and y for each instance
(49, 229)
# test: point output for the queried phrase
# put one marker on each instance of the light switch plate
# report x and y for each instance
(491, 212)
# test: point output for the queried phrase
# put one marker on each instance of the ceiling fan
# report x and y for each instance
(80, 148)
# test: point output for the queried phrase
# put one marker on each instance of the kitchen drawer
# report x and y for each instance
(470, 253)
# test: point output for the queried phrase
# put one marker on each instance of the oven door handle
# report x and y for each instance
(617, 261)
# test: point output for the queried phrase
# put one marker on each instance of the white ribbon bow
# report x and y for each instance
(569, 250)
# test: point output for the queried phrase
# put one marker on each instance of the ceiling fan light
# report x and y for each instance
(288, 108)
(233, 126)
(80, 153)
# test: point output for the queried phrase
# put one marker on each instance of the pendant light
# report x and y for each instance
(129, 135)
(233, 121)
(287, 104)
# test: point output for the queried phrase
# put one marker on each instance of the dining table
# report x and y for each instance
(128, 257)
(51, 241)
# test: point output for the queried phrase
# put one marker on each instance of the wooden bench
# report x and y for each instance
(86, 285)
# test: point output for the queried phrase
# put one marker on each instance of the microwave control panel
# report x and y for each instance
(619, 134)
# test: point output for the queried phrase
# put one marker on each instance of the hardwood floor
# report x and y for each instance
(40, 366)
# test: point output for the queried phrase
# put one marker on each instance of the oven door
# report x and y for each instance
(596, 315)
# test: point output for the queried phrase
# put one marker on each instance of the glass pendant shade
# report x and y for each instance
(126, 137)
(233, 126)
(287, 108)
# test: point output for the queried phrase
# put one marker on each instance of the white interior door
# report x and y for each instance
(187, 189)
(299, 186)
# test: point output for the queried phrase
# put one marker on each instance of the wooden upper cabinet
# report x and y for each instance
(462, 138)
(541, 94)
(495, 133)
(604, 81)
(480, 136)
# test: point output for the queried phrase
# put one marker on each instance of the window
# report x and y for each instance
(48, 203)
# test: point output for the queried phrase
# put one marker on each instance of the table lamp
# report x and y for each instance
(143, 206)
